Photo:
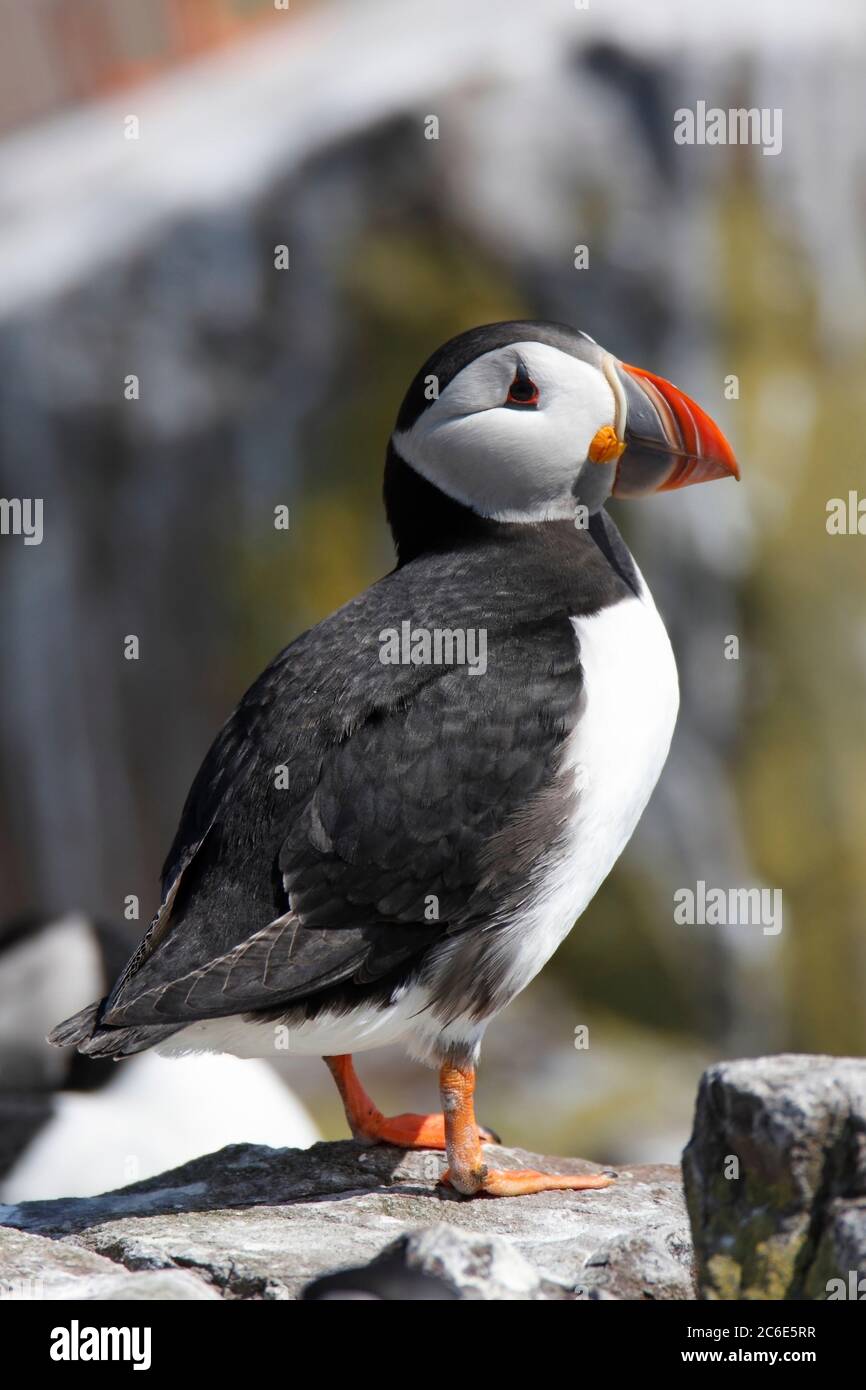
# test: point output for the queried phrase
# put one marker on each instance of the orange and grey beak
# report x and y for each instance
(669, 441)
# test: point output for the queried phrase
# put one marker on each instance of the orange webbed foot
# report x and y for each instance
(370, 1126)
(519, 1182)
(412, 1131)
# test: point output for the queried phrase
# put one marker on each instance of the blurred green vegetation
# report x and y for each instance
(800, 768)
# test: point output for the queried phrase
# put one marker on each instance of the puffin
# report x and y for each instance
(413, 804)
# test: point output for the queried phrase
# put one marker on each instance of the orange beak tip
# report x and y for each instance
(696, 449)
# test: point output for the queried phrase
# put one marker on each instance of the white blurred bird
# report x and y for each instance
(73, 1130)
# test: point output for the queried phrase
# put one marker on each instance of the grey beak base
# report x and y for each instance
(650, 453)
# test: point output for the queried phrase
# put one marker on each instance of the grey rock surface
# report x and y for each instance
(485, 1267)
(775, 1177)
(35, 1267)
(251, 1222)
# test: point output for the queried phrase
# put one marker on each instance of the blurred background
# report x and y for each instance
(147, 247)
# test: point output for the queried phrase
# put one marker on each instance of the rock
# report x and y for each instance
(488, 1267)
(36, 1268)
(775, 1177)
(161, 1284)
(252, 1222)
(33, 1267)
(477, 1267)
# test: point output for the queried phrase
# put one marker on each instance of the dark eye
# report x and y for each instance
(523, 391)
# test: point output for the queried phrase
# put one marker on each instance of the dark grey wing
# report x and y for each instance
(349, 814)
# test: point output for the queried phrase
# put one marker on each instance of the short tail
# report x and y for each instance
(85, 1032)
(78, 1028)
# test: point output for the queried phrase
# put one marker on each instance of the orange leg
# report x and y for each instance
(467, 1171)
(370, 1126)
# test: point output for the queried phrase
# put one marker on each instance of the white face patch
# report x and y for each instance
(514, 464)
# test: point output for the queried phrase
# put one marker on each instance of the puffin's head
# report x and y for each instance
(522, 421)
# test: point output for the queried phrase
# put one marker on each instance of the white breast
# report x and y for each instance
(615, 755)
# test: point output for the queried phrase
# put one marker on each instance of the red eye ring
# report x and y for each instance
(523, 391)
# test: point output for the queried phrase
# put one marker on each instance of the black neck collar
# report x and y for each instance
(424, 519)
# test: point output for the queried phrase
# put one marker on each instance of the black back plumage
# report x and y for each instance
(406, 783)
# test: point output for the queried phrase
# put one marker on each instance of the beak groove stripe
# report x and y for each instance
(611, 376)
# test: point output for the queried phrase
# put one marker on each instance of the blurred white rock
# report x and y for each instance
(158, 1113)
